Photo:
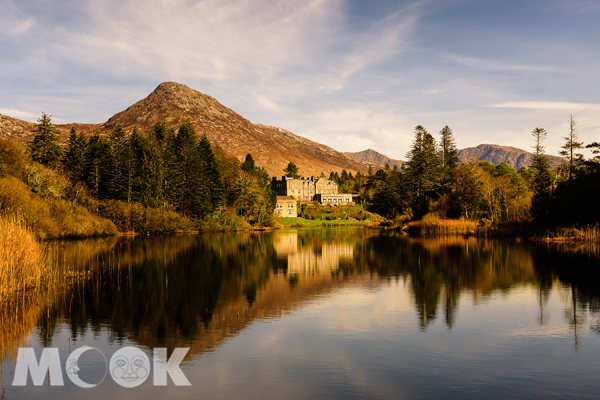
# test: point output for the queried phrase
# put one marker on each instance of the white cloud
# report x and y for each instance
(358, 128)
(25, 115)
(18, 28)
(547, 105)
(495, 65)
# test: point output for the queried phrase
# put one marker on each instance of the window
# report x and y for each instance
(278, 212)
(290, 212)
(340, 199)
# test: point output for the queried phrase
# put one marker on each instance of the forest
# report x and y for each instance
(168, 180)
(164, 180)
(433, 182)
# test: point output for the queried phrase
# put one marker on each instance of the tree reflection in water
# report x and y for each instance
(197, 290)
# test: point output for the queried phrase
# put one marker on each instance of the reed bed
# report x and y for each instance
(587, 233)
(432, 225)
(21, 259)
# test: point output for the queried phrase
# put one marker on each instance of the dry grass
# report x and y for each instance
(588, 233)
(432, 225)
(21, 258)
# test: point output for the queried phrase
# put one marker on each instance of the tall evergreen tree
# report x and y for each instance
(122, 157)
(74, 159)
(44, 146)
(539, 160)
(148, 171)
(572, 144)
(99, 166)
(448, 152)
(423, 169)
(212, 174)
(292, 170)
(248, 165)
(191, 185)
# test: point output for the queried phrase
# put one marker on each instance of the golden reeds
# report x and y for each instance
(21, 258)
(432, 225)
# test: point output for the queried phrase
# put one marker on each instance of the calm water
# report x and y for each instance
(333, 313)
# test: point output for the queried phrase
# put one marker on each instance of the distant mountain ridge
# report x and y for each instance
(271, 147)
(493, 153)
(374, 159)
(496, 154)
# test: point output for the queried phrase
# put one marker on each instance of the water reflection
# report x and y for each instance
(197, 290)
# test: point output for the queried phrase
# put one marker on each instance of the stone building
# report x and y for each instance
(286, 207)
(310, 189)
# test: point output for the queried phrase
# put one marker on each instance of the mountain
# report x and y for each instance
(496, 154)
(374, 159)
(492, 153)
(174, 103)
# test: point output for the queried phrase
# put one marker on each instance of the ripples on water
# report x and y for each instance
(330, 313)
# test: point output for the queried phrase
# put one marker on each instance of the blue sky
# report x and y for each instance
(351, 74)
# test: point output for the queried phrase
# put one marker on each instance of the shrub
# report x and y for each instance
(137, 218)
(55, 218)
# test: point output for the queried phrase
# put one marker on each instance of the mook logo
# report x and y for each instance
(129, 367)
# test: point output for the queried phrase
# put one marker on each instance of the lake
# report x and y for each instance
(340, 312)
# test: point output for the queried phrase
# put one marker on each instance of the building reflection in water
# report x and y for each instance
(311, 258)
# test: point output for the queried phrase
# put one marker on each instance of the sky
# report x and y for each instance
(351, 74)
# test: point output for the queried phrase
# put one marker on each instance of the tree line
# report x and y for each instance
(433, 180)
(162, 168)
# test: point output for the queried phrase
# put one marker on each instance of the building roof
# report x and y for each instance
(285, 198)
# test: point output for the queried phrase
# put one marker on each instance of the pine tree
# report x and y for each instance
(191, 187)
(99, 166)
(248, 165)
(539, 160)
(44, 147)
(423, 169)
(74, 159)
(148, 170)
(292, 170)
(122, 157)
(572, 159)
(212, 174)
(448, 153)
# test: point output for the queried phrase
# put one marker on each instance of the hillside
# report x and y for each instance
(374, 159)
(496, 154)
(174, 103)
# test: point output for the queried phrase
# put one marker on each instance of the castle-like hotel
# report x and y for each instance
(321, 190)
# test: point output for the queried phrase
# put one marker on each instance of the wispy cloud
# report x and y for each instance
(547, 105)
(496, 65)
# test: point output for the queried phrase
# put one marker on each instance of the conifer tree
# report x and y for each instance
(74, 159)
(191, 187)
(248, 165)
(99, 166)
(148, 171)
(448, 153)
(120, 184)
(292, 170)
(572, 144)
(423, 170)
(212, 174)
(44, 146)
